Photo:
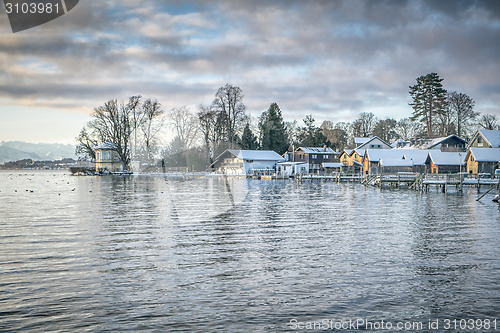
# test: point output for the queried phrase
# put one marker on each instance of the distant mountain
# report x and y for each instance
(18, 150)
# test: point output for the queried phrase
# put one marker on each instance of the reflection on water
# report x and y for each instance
(216, 254)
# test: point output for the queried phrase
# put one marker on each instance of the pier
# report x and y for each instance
(415, 181)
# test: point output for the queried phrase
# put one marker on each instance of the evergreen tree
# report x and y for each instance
(248, 139)
(273, 134)
(429, 100)
(311, 135)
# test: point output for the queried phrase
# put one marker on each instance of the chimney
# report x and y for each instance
(324, 148)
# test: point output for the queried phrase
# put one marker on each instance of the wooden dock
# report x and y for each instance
(409, 180)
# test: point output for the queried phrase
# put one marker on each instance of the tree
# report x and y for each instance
(364, 124)
(273, 135)
(86, 144)
(335, 134)
(118, 123)
(488, 121)
(462, 108)
(212, 126)
(112, 122)
(248, 139)
(429, 100)
(406, 129)
(186, 126)
(385, 129)
(151, 125)
(229, 103)
(311, 135)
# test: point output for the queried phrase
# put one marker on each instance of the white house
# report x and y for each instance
(246, 162)
(290, 169)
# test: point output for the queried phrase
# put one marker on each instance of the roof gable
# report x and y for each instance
(492, 136)
(375, 141)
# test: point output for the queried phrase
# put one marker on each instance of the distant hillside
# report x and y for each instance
(18, 150)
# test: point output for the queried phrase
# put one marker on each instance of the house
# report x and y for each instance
(246, 162)
(485, 139)
(374, 143)
(107, 159)
(450, 143)
(482, 160)
(360, 141)
(290, 169)
(344, 157)
(445, 162)
(314, 156)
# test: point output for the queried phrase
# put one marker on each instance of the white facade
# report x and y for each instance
(289, 169)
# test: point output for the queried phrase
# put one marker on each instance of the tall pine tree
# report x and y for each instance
(273, 134)
(429, 100)
(248, 139)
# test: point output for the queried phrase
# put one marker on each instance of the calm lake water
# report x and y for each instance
(234, 255)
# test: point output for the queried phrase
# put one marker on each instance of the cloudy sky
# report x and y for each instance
(329, 58)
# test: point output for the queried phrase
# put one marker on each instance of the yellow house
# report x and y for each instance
(107, 158)
(345, 158)
(482, 160)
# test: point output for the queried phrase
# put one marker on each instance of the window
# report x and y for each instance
(314, 156)
(325, 157)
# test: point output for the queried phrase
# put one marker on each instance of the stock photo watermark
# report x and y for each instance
(27, 14)
(364, 324)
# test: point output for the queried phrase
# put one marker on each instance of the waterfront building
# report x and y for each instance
(314, 156)
(246, 162)
(107, 159)
(483, 160)
(445, 162)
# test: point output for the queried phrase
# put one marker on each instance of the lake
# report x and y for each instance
(209, 254)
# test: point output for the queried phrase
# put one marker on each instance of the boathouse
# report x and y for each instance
(291, 169)
(246, 162)
(482, 160)
(445, 162)
(107, 158)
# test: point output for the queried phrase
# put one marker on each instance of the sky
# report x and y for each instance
(332, 59)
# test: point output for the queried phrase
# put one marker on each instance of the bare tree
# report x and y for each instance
(488, 121)
(87, 142)
(462, 108)
(229, 102)
(151, 124)
(212, 129)
(406, 129)
(185, 125)
(112, 122)
(363, 125)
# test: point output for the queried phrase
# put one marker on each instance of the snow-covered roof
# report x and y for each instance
(317, 150)
(492, 136)
(291, 163)
(400, 143)
(360, 141)
(447, 158)
(257, 155)
(348, 151)
(332, 165)
(107, 145)
(419, 156)
(486, 154)
(375, 155)
(396, 163)
(437, 141)
(371, 140)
